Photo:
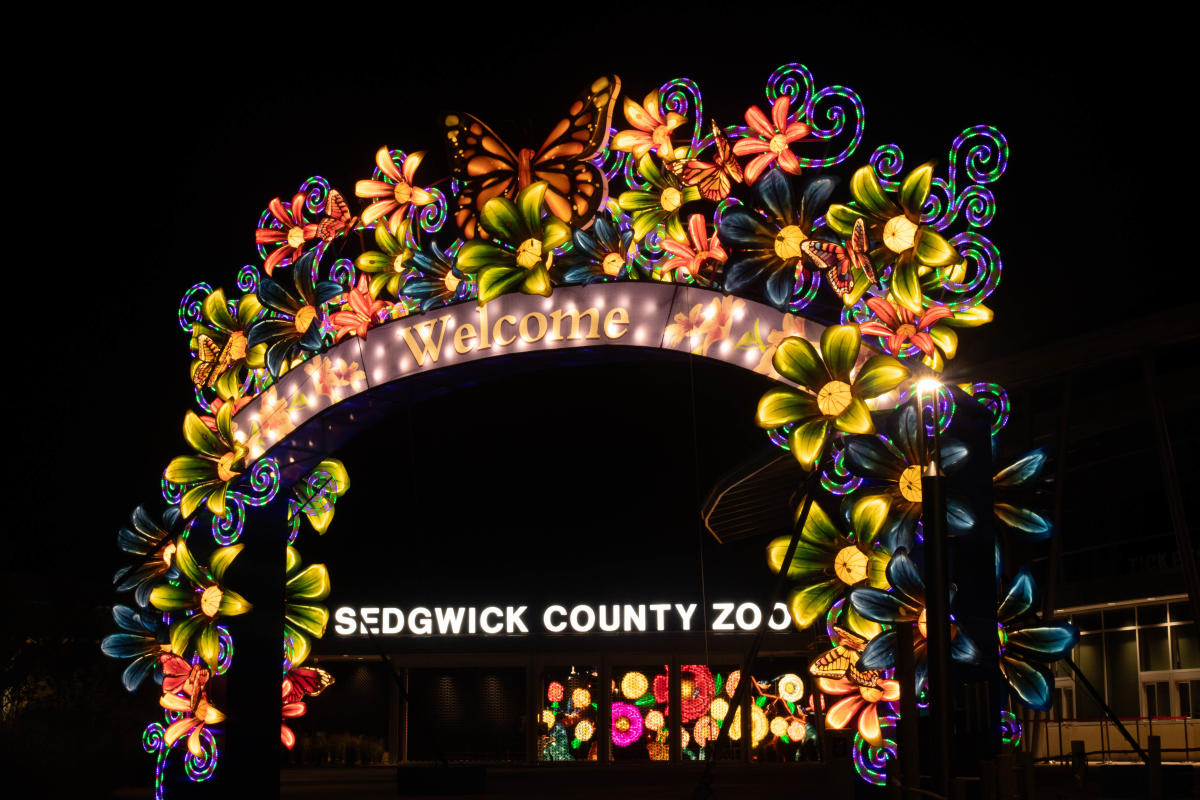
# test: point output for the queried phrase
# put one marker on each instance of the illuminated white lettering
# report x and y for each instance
(660, 610)
(367, 618)
(420, 621)
(512, 619)
(756, 618)
(393, 620)
(554, 627)
(785, 619)
(448, 621)
(471, 619)
(685, 614)
(635, 617)
(345, 620)
(428, 348)
(725, 609)
(490, 611)
(577, 612)
(610, 625)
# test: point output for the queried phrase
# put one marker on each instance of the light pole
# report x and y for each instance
(937, 611)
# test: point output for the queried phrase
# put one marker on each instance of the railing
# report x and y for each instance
(1050, 740)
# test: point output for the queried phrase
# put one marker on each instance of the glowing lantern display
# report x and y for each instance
(581, 697)
(791, 688)
(634, 685)
(584, 730)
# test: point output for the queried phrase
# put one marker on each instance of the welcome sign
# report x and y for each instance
(647, 315)
(557, 618)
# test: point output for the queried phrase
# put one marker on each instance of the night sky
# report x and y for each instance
(156, 158)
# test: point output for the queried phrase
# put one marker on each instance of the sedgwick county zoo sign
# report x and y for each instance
(644, 315)
(582, 618)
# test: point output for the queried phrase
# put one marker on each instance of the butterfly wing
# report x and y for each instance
(726, 160)
(834, 259)
(709, 178)
(337, 217)
(482, 163)
(859, 249)
(831, 664)
(577, 189)
(208, 365)
(306, 681)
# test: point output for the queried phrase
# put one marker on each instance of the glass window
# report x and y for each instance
(640, 696)
(568, 723)
(1185, 698)
(707, 693)
(1152, 615)
(1151, 700)
(782, 690)
(1152, 642)
(1091, 664)
(1119, 619)
(1158, 698)
(1120, 661)
(1180, 612)
(1087, 622)
(1184, 649)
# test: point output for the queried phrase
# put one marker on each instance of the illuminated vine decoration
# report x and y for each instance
(1011, 729)
(428, 265)
(871, 762)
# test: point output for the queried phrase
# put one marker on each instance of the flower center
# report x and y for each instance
(834, 398)
(687, 688)
(613, 264)
(671, 199)
(168, 553)
(850, 565)
(398, 261)
(788, 241)
(402, 192)
(906, 330)
(304, 318)
(622, 724)
(237, 346)
(778, 143)
(529, 254)
(225, 470)
(295, 236)
(922, 626)
(210, 601)
(899, 234)
(451, 280)
(910, 483)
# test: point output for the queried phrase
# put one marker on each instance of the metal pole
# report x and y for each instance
(1060, 475)
(910, 766)
(937, 606)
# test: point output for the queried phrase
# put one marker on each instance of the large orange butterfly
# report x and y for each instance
(714, 179)
(211, 361)
(337, 217)
(486, 167)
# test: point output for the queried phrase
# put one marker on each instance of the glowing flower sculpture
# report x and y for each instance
(652, 128)
(197, 608)
(894, 465)
(828, 563)
(396, 193)
(1027, 648)
(831, 397)
(861, 698)
(303, 618)
(521, 253)
(660, 203)
(361, 313)
(189, 699)
(153, 544)
(221, 344)
(217, 465)
(698, 258)
(904, 605)
(1013, 488)
(434, 281)
(912, 246)
(770, 140)
(143, 638)
(900, 328)
(764, 243)
(389, 265)
(297, 324)
(293, 235)
(600, 253)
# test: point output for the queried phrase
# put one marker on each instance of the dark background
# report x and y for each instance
(151, 146)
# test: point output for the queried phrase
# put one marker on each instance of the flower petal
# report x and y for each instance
(914, 191)
(808, 440)
(855, 419)
(779, 406)
(865, 187)
(810, 603)
(1030, 682)
(840, 345)
(879, 375)
(797, 360)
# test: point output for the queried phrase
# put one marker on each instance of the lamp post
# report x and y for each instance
(937, 611)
